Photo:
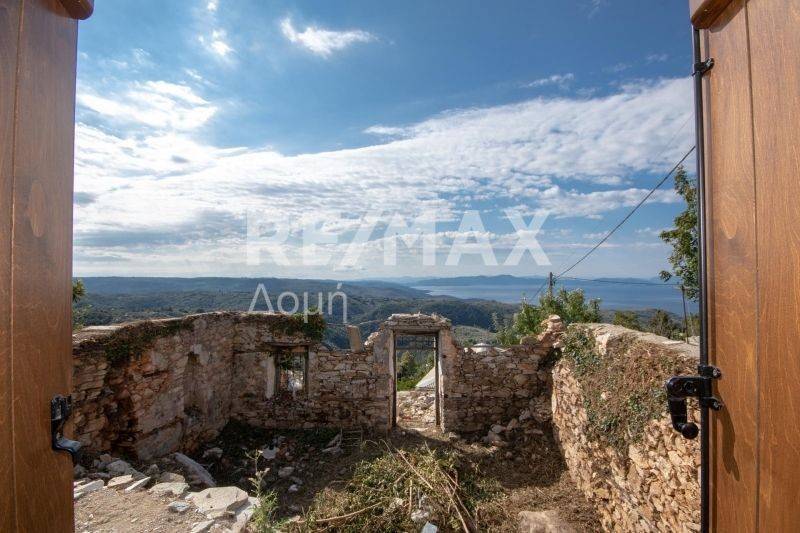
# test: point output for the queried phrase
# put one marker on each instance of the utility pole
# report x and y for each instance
(685, 317)
(550, 283)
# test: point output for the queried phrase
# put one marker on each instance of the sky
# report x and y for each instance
(320, 139)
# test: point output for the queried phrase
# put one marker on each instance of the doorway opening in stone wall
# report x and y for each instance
(416, 380)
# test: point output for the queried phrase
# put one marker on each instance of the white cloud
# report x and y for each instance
(654, 232)
(217, 43)
(153, 104)
(657, 58)
(617, 68)
(212, 5)
(386, 131)
(323, 42)
(156, 199)
(562, 80)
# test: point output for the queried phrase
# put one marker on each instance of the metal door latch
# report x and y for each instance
(681, 387)
(701, 67)
(60, 411)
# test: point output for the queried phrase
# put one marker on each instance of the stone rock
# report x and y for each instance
(196, 469)
(285, 472)
(543, 522)
(152, 470)
(243, 515)
(497, 428)
(294, 488)
(178, 507)
(202, 527)
(269, 452)
(87, 488)
(106, 458)
(494, 439)
(335, 441)
(79, 472)
(119, 468)
(171, 477)
(176, 489)
(218, 502)
(419, 516)
(138, 485)
(120, 482)
(212, 453)
(429, 528)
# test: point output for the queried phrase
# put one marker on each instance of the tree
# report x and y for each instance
(571, 306)
(407, 366)
(627, 319)
(684, 238)
(78, 290)
(662, 324)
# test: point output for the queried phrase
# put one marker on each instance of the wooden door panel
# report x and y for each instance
(41, 260)
(9, 23)
(732, 265)
(775, 59)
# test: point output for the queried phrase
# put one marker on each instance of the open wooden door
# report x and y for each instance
(751, 103)
(38, 41)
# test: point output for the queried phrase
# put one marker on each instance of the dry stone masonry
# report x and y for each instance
(150, 388)
(154, 387)
(484, 384)
(651, 484)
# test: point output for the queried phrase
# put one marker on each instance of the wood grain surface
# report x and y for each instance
(775, 58)
(731, 215)
(41, 260)
(705, 12)
(9, 24)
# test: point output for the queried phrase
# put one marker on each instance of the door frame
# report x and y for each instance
(393, 369)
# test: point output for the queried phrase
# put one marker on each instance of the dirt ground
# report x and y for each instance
(112, 511)
(529, 471)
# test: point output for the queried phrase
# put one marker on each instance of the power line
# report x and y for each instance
(666, 147)
(629, 215)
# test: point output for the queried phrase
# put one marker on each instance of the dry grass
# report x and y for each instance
(622, 390)
(385, 492)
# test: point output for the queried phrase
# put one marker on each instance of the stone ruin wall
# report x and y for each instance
(153, 387)
(483, 386)
(652, 487)
(149, 388)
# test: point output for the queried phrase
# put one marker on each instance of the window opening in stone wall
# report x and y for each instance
(291, 371)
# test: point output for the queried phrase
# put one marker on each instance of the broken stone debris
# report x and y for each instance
(543, 522)
(218, 502)
(202, 527)
(213, 453)
(196, 469)
(138, 485)
(86, 488)
(179, 507)
(171, 477)
(176, 489)
(120, 482)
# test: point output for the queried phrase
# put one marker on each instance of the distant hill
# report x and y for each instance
(120, 299)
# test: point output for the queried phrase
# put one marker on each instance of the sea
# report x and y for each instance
(616, 295)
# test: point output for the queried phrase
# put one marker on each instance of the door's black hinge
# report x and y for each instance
(681, 387)
(703, 66)
(60, 411)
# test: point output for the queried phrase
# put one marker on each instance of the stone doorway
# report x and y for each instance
(416, 379)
